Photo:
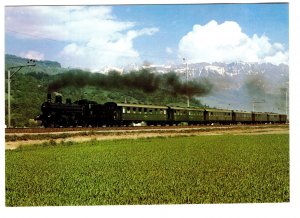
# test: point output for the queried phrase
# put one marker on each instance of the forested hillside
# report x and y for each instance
(49, 67)
(29, 88)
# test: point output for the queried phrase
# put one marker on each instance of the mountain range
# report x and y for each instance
(237, 86)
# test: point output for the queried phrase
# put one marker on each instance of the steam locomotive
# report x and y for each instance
(89, 113)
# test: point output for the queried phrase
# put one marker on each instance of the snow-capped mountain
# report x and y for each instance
(239, 85)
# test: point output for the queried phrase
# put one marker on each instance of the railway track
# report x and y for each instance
(136, 128)
(16, 137)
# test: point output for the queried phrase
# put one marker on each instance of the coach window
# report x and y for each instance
(140, 110)
(128, 110)
(124, 110)
(134, 110)
(145, 110)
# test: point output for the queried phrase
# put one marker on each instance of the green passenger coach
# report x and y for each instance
(178, 115)
(218, 116)
(135, 113)
(241, 117)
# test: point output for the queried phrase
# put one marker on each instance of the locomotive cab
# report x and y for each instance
(112, 113)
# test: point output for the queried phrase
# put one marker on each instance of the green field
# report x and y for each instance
(177, 170)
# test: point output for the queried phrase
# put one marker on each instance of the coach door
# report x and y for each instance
(170, 114)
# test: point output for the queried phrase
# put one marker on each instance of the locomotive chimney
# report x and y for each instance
(68, 101)
(49, 97)
(58, 99)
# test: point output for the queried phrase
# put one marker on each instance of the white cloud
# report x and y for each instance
(33, 55)
(169, 50)
(97, 53)
(227, 43)
(94, 37)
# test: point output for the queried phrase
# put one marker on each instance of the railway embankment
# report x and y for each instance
(15, 138)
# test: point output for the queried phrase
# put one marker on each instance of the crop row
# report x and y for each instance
(177, 170)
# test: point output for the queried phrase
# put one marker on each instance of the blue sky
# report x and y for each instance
(269, 19)
(96, 37)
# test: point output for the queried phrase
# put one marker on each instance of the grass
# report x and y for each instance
(178, 170)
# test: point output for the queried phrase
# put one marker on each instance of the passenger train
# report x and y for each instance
(89, 113)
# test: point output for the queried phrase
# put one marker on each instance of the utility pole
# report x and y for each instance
(186, 77)
(286, 104)
(9, 76)
(286, 101)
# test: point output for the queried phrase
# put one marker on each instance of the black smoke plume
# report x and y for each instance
(143, 80)
(256, 86)
(176, 86)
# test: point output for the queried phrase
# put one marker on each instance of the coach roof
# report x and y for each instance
(142, 106)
